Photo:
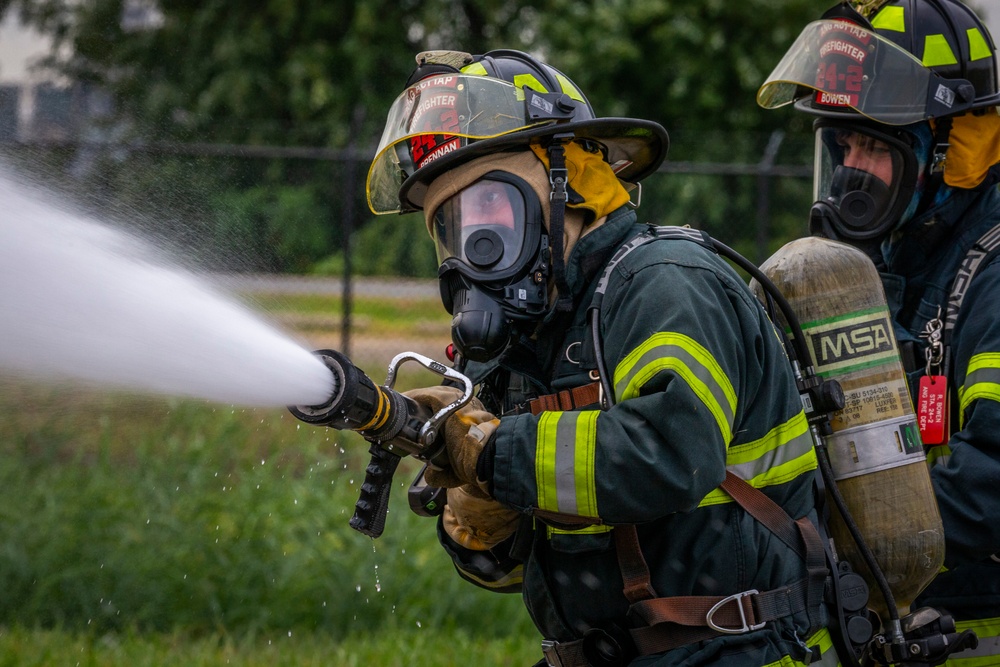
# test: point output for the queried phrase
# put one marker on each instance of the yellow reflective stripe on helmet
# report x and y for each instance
(693, 363)
(783, 454)
(982, 380)
(571, 90)
(987, 654)
(890, 18)
(476, 69)
(978, 48)
(529, 80)
(937, 52)
(564, 462)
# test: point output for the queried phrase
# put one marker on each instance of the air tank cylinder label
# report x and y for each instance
(858, 349)
(865, 449)
(851, 342)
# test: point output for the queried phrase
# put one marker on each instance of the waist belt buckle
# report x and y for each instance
(550, 653)
(738, 599)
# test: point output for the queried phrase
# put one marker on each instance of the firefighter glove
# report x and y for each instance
(465, 432)
(475, 521)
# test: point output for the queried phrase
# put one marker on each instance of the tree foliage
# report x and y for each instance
(322, 73)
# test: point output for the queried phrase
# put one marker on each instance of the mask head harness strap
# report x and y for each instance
(559, 180)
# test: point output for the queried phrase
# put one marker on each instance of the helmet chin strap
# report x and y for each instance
(936, 166)
(559, 180)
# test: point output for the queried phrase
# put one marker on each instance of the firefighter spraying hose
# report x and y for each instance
(526, 199)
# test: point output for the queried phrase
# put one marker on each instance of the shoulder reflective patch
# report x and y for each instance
(890, 18)
(564, 462)
(937, 52)
(982, 380)
(689, 360)
(978, 48)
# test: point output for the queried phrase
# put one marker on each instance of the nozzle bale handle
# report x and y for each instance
(373, 503)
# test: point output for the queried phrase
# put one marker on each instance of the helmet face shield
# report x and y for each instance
(435, 117)
(852, 69)
(863, 176)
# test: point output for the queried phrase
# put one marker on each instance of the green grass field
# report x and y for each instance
(156, 531)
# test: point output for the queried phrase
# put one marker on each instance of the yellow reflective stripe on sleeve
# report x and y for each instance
(978, 48)
(514, 578)
(937, 52)
(982, 380)
(938, 455)
(564, 462)
(987, 654)
(890, 18)
(586, 530)
(693, 363)
(786, 452)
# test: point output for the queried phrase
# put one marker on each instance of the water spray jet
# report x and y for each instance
(84, 302)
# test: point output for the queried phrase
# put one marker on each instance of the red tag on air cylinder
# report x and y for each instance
(932, 409)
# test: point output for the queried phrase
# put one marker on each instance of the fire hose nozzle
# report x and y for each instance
(395, 424)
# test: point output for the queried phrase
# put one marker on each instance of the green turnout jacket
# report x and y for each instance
(702, 385)
(923, 263)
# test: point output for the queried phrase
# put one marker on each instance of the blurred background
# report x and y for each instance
(237, 135)
(241, 134)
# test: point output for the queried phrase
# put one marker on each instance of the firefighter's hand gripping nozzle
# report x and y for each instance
(396, 426)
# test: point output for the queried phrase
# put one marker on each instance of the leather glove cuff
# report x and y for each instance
(485, 462)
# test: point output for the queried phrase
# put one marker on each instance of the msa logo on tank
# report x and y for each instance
(851, 342)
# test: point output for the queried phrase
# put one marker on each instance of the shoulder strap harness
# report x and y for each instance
(664, 623)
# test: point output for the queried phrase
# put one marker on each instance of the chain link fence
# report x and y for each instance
(288, 229)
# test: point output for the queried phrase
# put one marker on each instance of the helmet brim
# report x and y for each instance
(635, 149)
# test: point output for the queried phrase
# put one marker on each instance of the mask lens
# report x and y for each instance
(483, 226)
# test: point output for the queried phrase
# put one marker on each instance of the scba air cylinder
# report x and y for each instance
(875, 449)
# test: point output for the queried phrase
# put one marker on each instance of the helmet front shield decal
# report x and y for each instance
(435, 117)
(852, 68)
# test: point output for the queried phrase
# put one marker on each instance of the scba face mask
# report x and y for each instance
(494, 262)
(864, 180)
